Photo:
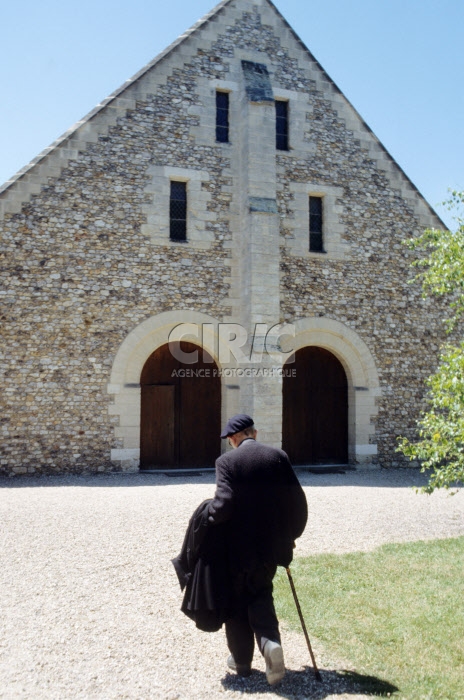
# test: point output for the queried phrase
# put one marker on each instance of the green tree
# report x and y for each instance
(441, 428)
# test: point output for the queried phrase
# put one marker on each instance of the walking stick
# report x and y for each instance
(297, 603)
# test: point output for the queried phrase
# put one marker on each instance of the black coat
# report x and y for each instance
(202, 569)
(260, 498)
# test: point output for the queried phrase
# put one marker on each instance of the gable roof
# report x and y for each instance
(26, 173)
(117, 93)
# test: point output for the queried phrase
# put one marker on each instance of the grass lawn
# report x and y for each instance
(395, 614)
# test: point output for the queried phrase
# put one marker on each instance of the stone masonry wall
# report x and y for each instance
(78, 276)
(368, 289)
(78, 271)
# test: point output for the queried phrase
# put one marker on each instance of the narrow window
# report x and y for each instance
(281, 108)
(178, 211)
(315, 225)
(222, 117)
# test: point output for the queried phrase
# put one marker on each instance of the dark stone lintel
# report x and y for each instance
(263, 205)
(257, 82)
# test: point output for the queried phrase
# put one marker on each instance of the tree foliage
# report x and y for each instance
(441, 428)
(443, 264)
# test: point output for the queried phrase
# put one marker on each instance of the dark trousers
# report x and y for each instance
(253, 613)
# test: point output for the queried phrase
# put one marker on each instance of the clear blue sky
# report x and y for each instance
(399, 62)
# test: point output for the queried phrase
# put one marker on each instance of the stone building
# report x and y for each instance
(229, 187)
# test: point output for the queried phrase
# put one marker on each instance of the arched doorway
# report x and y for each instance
(315, 408)
(180, 419)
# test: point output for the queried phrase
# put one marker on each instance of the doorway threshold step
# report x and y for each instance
(187, 471)
(325, 468)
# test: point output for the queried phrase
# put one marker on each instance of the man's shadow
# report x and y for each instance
(300, 685)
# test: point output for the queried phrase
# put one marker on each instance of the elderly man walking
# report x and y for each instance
(260, 498)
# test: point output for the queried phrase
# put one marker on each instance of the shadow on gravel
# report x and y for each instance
(400, 478)
(112, 479)
(388, 478)
(300, 685)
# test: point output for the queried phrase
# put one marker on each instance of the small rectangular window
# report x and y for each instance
(315, 225)
(222, 117)
(178, 211)
(281, 109)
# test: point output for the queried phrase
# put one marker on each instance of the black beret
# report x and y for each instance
(236, 424)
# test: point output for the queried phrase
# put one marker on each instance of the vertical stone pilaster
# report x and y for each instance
(259, 234)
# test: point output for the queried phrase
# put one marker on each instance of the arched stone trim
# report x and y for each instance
(362, 376)
(124, 384)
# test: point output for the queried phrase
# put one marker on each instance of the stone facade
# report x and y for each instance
(92, 284)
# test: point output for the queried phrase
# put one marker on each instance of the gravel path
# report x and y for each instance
(90, 601)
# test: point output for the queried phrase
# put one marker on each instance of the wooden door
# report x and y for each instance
(188, 407)
(315, 409)
(157, 437)
(199, 419)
